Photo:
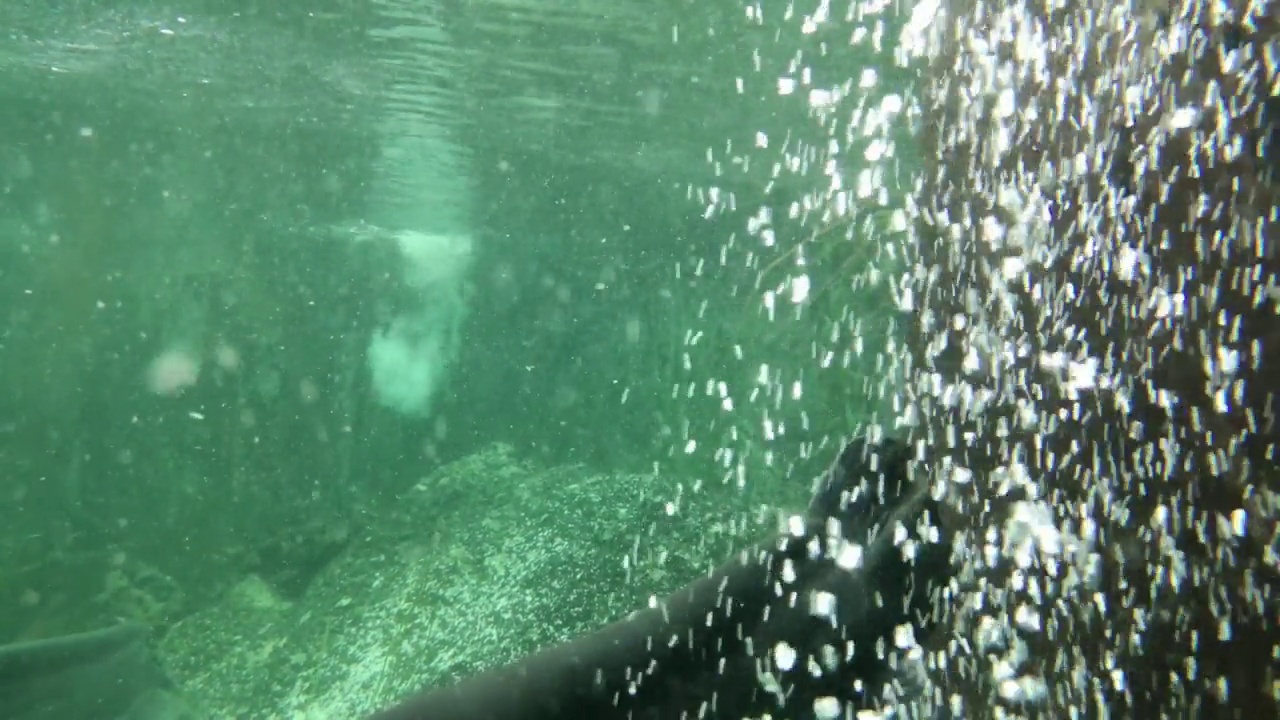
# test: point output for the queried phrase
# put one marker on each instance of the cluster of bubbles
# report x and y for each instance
(1087, 278)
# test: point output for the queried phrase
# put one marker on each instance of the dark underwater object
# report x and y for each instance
(789, 627)
(107, 674)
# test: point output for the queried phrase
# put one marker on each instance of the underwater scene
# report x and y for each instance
(587, 359)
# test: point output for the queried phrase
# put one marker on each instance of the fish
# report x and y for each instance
(793, 625)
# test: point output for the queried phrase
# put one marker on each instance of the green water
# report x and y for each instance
(188, 293)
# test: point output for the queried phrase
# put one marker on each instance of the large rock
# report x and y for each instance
(481, 563)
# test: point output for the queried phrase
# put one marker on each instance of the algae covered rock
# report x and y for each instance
(484, 561)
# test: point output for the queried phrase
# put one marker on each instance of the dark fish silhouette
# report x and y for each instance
(793, 624)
